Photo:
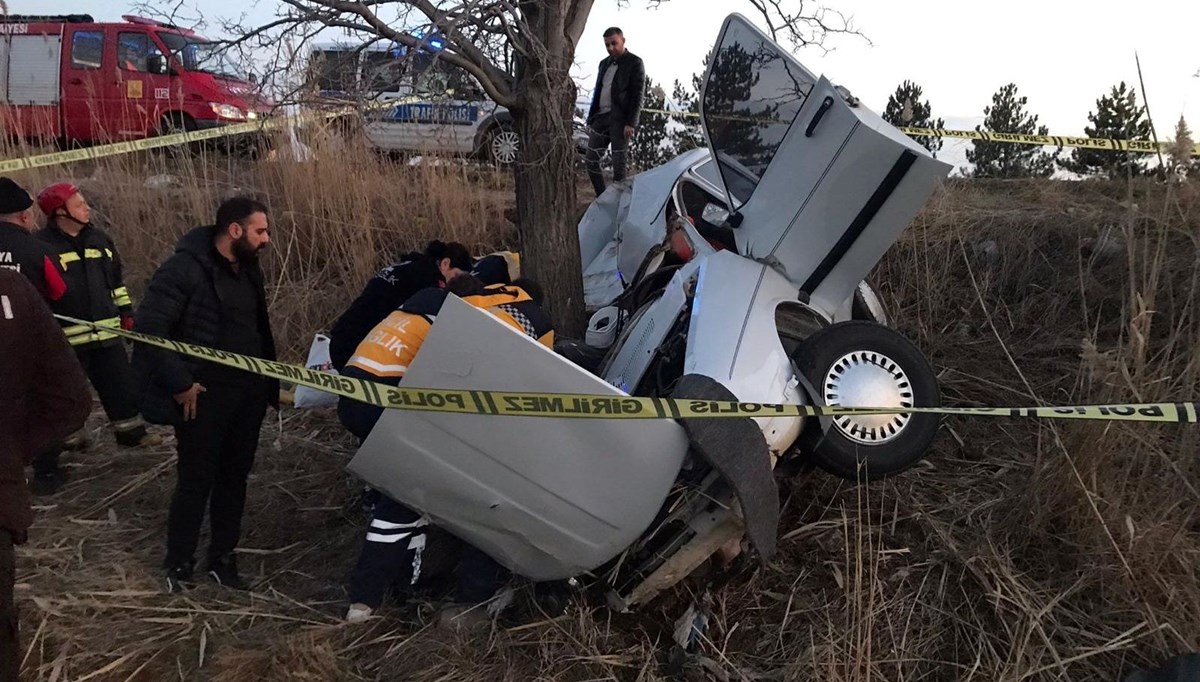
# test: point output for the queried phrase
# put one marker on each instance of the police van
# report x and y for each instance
(427, 104)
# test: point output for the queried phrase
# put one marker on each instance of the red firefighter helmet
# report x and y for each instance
(55, 197)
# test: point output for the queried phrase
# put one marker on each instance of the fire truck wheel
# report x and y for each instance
(176, 123)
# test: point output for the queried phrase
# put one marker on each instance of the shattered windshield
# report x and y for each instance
(202, 55)
(752, 95)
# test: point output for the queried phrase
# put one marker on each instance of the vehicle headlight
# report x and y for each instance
(227, 111)
(251, 115)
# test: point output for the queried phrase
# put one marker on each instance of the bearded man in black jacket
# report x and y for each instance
(209, 293)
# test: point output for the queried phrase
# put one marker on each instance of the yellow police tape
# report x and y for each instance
(585, 406)
(1141, 146)
(118, 148)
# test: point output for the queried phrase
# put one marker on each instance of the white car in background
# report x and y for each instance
(434, 107)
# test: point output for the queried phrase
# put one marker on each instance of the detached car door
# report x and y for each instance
(821, 185)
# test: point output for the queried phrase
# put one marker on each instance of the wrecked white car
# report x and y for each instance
(750, 296)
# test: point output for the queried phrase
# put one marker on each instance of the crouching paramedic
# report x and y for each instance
(390, 288)
(396, 536)
(95, 292)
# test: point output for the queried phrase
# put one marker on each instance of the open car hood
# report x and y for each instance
(549, 498)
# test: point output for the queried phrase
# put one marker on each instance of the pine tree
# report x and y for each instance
(687, 134)
(1182, 161)
(1005, 160)
(646, 150)
(1117, 116)
(905, 108)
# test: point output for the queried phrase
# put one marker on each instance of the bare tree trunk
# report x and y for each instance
(545, 174)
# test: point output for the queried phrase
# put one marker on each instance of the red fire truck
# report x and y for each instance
(69, 78)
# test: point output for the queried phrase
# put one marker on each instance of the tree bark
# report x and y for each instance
(545, 173)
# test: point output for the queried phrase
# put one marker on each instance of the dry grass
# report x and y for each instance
(1018, 551)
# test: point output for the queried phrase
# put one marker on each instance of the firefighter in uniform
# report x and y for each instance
(396, 536)
(95, 292)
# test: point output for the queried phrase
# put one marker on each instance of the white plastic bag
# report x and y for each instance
(318, 359)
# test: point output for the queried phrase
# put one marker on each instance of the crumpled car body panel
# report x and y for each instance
(549, 498)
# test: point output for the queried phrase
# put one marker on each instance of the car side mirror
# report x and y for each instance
(252, 77)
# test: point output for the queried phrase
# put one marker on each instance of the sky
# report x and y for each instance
(1062, 54)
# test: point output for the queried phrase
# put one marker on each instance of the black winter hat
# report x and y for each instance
(492, 269)
(13, 197)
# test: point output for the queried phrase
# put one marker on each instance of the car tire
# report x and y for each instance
(867, 359)
(502, 146)
(172, 124)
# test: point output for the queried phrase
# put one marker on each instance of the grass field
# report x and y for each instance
(1019, 550)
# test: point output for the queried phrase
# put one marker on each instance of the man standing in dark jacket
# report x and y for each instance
(43, 397)
(19, 250)
(95, 292)
(616, 107)
(209, 293)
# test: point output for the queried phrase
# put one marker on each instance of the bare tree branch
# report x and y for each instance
(801, 23)
(521, 53)
(463, 53)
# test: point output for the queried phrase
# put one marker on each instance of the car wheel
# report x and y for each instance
(503, 146)
(172, 124)
(865, 364)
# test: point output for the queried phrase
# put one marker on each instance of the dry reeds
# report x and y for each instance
(1019, 550)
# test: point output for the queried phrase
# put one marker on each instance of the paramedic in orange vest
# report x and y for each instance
(396, 536)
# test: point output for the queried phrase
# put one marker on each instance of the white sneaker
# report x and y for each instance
(358, 613)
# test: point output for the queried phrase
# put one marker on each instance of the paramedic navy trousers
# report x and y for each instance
(391, 553)
(396, 538)
(216, 454)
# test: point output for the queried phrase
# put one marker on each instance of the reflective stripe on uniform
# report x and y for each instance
(391, 345)
(388, 525)
(78, 334)
(386, 539)
(129, 424)
(72, 256)
(377, 368)
(121, 297)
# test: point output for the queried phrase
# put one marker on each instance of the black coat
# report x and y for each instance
(44, 396)
(95, 284)
(629, 85)
(24, 253)
(182, 304)
(386, 292)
